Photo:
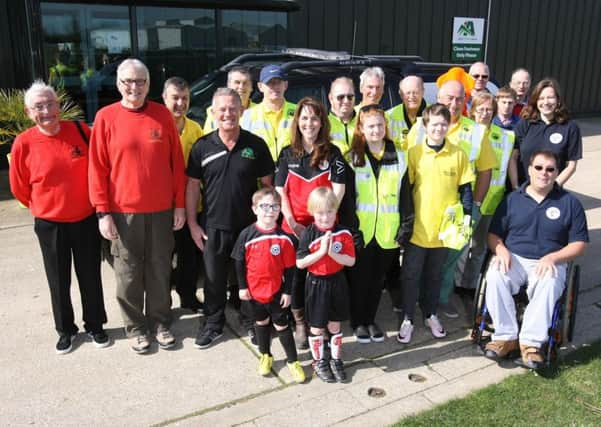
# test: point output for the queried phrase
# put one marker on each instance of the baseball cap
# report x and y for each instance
(272, 71)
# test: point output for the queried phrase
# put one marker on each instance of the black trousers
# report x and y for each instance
(418, 262)
(188, 265)
(367, 281)
(60, 242)
(219, 267)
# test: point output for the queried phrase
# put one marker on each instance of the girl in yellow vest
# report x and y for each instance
(482, 111)
(385, 211)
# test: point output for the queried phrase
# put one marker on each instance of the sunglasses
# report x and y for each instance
(540, 168)
(266, 207)
(480, 76)
(348, 96)
(371, 107)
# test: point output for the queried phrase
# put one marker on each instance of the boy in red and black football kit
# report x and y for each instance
(324, 250)
(264, 255)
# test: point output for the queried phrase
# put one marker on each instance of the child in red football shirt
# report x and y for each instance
(324, 250)
(264, 255)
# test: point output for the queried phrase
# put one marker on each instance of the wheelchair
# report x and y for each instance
(563, 319)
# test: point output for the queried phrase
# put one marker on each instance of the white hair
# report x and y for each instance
(37, 87)
(371, 72)
(135, 64)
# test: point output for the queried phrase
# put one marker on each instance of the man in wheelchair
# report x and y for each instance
(534, 233)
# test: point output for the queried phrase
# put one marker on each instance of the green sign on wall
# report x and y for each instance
(468, 35)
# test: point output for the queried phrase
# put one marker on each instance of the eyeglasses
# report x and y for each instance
(266, 207)
(371, 107)
(349, 96)
(480, 76)
(549, 169)
(44, 106)
(129, 82)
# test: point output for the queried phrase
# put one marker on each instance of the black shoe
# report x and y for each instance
(206, 337)
(252, 336)
(323, 371)
(375, 333)
(100, 338)
(337, 368)
(194, 305)
(362, 335)
(65, 343)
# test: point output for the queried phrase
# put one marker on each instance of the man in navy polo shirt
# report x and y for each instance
(226, 165)
(535, 232)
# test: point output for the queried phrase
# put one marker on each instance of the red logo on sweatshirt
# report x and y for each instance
(155, 134)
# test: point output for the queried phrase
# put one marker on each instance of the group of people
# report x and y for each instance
(289, 209)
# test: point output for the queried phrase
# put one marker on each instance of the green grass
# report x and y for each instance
(568, 395)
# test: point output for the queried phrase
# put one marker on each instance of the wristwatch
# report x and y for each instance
(101, 214)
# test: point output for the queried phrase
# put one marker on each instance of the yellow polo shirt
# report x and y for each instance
(190, 134)
(436, 177)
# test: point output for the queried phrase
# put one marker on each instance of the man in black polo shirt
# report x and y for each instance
(226, 164)
(535, 232)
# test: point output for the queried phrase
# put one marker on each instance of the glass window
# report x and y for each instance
(247, 31)
(176, 42)
(83, 44)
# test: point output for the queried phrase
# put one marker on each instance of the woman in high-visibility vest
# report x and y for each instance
(482, 111)
(310, 161)
(385, 211)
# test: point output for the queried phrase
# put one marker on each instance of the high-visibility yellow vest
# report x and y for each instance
(397, 126)
(341, 134)
(502, 141)
(377, 202)
(211, 124)
(255, 121)
(469, 138)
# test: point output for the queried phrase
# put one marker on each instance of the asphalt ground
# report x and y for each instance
(220, 386)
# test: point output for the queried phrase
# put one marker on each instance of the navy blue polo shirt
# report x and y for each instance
(533, 230)
(562, 139)
(229, 178)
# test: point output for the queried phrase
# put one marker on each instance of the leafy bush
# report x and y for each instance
(13, 119)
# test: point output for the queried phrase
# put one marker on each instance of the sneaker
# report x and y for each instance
(194, 305)
(337, 367)
(362, 335)
(531, 357)
(100, 338)
(64, 344)
(436, 328)
(139, 344)
(252, 337)
(449, 310)
(165, 339)
(405, 331)
(206, 337)
(323, 371)
(375, 333)
(498, 349)
(265, 364)
(297, 372)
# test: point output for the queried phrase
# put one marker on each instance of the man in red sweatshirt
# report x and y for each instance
(137, 185)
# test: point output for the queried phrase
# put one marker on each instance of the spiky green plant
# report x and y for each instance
(13, 119)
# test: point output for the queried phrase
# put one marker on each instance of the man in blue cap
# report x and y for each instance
(272, 118)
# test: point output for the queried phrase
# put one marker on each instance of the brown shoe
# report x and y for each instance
(500, 349)
(531, 357)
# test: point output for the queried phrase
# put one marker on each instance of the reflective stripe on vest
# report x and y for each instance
(253, 120)
(378, 200)
(396, 125)
(502, 152)
(341, 135)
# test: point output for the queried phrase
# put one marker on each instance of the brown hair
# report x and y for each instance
(357, 151)
(437, 109)
(266, 191)
(480, 99)
(531, 113)
(322, 145)
(506, 92)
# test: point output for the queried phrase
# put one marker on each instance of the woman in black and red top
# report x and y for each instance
(310, 161)
(49, 174)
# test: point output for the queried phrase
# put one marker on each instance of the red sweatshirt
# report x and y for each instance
(49, 174)
(136, 160)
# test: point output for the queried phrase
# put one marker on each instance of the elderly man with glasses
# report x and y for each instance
(343, 117)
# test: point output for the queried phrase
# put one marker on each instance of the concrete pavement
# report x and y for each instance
(220, 386)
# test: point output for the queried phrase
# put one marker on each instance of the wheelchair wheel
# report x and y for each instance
(568, 319)
(478, 305)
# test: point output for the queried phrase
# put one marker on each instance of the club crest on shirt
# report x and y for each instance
(553, 213)
(155, 134)
(247, 153)
(336, 247)
(556, 138)
(275, 249)
(324, 165)
(76, 152)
